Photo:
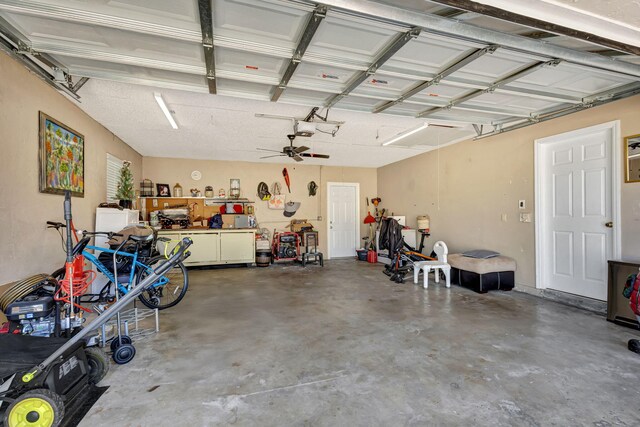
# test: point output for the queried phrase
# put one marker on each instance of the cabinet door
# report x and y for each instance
(205, 248)
(237, 247)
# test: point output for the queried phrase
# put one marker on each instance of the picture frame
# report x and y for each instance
(60, 157)
(163, 190)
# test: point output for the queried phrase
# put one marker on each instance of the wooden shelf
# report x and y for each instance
(213, 199)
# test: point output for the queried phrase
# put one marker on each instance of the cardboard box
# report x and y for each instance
(228, 221)
(298, 225)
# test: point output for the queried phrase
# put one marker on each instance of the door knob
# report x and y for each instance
(609, 224)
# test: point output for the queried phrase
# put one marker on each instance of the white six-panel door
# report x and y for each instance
(576, 205)
(343, 220)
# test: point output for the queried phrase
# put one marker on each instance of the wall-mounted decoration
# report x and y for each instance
(632, 158)
(196, 175)
(163, 190)
(234, 190)
(61, 158)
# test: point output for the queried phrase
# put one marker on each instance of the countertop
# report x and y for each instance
(207, 230)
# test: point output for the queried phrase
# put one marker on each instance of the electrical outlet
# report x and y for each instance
(521, 204)
(504, 217)
(319, 218)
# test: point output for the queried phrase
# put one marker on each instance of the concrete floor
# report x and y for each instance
(343, 346)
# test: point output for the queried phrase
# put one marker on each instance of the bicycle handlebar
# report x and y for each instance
(56, 225)
(109, 234)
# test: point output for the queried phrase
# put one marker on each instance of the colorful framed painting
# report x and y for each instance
(61, 158)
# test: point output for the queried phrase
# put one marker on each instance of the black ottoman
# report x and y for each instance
(483, 275)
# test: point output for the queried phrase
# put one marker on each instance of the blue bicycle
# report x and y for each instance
(136, 259)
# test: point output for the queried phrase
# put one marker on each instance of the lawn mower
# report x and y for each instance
(40, 377)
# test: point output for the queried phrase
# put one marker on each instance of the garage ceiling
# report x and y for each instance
(382, 68)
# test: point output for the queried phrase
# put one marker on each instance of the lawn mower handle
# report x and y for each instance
(179, 255)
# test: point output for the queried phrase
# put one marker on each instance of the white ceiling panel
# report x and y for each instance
(88, 40)
(244, 89)
(259, 21)
(250, 63)
(573, 79)
(492, 67)
(320, 77)
(384, 86)
(349, 37)
(305, 97)
(426, 56)
(442, 92)
(508, 101)
(358, 103)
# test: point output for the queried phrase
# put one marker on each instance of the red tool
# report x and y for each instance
(285, 173)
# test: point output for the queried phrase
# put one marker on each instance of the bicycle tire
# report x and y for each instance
(150, 297)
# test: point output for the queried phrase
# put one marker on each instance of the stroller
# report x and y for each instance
(401, 254)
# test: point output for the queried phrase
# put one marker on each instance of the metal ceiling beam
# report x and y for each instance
(18, 46)
(309, 31)
(505, 15)
(205, 7)
(493, 86)
(466, 60)
(382, 57)
(461, 30)
(76, 87)
(450, 13)
(627, 91)
(11, 50)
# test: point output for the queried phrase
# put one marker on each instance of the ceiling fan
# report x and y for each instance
(296, 153)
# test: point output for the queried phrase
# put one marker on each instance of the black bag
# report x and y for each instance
(215, 221)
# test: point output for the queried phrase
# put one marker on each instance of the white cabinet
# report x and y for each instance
(214, 247)
(205, 248)
(237, 247)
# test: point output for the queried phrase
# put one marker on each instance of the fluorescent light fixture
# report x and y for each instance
(404, 135)
(165, 110)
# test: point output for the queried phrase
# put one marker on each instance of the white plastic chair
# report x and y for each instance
(441, 250)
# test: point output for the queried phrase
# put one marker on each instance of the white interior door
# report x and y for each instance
(576, 201)
(343, 220)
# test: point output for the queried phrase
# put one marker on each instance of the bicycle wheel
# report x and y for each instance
(169, 294)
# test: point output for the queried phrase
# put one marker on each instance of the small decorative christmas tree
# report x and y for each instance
(125, 190)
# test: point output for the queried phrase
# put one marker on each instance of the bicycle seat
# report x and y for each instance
(141, 238)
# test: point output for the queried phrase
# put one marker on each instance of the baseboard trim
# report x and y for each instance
(584, 303)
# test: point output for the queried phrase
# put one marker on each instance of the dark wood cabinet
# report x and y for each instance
(618, 310)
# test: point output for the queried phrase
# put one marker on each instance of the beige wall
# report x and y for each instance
(466, 187)
(27, 247)
(218, 173)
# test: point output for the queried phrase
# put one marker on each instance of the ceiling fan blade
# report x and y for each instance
(275, 155)
(301, 149)
(266, 149)
(297, 158)
(317, 156)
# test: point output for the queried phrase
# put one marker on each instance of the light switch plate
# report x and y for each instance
(525, 217)
(504, 217)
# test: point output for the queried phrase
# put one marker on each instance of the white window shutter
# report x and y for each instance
(114, 165)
